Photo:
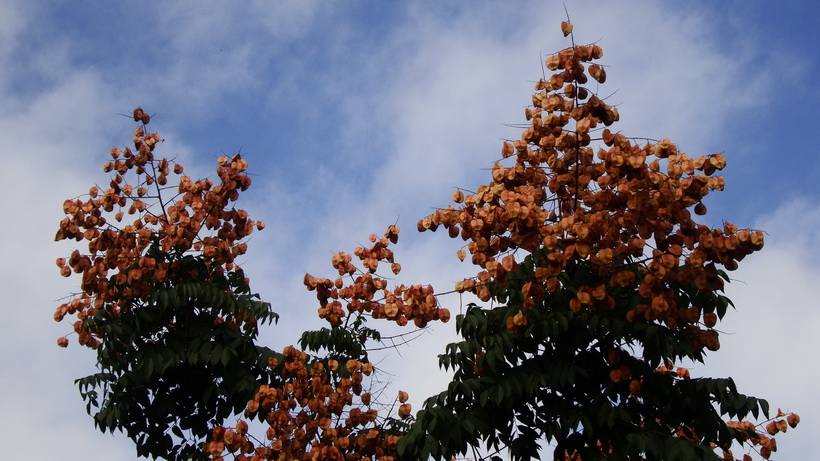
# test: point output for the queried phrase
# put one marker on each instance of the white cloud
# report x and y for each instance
(48, 149)
(770, 342)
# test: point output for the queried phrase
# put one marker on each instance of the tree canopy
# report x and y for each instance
(595, 284)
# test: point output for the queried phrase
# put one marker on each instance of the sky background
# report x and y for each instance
(357, 115)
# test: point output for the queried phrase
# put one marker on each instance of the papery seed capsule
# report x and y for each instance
(582, 93)
(596, 52)
(771, 428)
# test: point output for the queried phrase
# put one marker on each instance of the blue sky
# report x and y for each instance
(358, 115)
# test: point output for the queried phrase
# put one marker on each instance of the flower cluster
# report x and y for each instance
(368, 293)
(627, 209)
(320, 412)
(123, 222)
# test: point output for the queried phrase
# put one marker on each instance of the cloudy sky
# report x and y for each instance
(357, 115)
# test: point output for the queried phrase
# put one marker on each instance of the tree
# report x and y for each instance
(170, 315)
(596, 283)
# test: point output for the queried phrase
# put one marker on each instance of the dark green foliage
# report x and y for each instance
(551, 382)
(175, 365)
(342, 344)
